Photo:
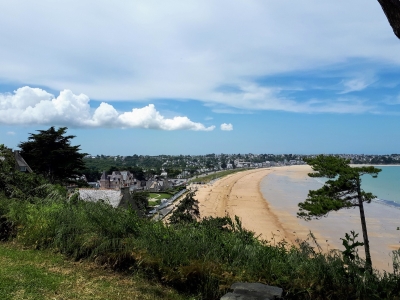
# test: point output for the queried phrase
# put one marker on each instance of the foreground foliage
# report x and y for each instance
(30, 274)
(198, 258)
(16, 184)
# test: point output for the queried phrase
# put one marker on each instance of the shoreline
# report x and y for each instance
(266, 202)
(239, 194)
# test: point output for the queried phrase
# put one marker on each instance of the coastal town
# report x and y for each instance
(200, 150)
(188, 166)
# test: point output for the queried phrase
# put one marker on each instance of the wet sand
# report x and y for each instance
(266, 202)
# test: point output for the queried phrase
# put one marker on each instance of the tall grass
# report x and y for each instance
(201, 258)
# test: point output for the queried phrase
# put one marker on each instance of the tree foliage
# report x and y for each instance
(187, 211)
(141, 198)
(16, 184)
(50, 153)
(341, 190)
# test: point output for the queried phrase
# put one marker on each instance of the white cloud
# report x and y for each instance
(35, 106)
(140, 50)
(391, 100)
(149, 117)
(10, 133)
(255, 97)
(356, 84)
(226, 127)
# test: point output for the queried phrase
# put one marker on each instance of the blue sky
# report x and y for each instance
(197, 77)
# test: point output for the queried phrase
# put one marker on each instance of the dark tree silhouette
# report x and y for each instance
(187, 211)
(391, 8)
(50, 153)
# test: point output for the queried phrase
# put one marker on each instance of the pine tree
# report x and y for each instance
(342, 190)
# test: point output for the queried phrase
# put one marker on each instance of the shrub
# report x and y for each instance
(202, 258)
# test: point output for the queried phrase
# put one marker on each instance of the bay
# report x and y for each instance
(386, 186)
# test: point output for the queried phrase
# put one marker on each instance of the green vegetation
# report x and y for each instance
(342, 190)
(187, 211)
(31, 274)
(17, 184)
(213, 176)
(154, 203)
(198, 258)
(50, 154)
(141, 198)
(159, 196)
(155, 198)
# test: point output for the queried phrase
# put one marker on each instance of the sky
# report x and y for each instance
(198, 77)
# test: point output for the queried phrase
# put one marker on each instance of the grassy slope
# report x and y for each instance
(159, 196)
(32, 274)
(202, 258)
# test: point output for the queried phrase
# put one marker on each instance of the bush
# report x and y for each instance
(187, 211)
(202, 258)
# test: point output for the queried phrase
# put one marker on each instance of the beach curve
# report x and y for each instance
(274, 218)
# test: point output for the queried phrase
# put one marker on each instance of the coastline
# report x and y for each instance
(239, 194)
(266, 202)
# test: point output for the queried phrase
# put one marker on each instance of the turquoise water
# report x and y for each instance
(386, 186)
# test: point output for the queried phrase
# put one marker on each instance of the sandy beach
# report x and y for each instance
(266, 202)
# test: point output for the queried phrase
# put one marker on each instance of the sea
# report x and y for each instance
(386, 187)
(284, 190)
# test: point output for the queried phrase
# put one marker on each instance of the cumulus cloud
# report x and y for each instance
(226, 127)
(28, 106)
(149, 117)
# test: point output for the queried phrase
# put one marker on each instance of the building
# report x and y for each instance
(156, 185)
(116, 180)
(20, 163)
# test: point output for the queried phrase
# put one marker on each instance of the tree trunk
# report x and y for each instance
(368, 261)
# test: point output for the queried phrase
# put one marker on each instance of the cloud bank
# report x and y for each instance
(256, 97)
(148, 50)
(34, 106)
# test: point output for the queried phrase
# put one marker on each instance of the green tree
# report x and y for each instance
(223, 165)
(187, 211)
(50, 153)
(342, 190)
(7, 170)
(16, 184)
(137, 172)
(141, 199)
